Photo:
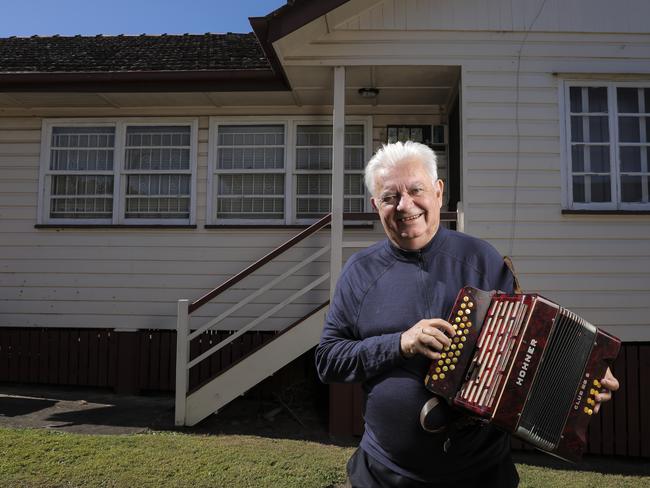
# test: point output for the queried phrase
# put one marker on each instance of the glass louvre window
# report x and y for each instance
(158, 172)
(591, 169)
(81, 173)
(314, 170)
(609, 167)
(250, 172)
(116, 172)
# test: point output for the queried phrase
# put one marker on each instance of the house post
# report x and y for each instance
(338, 172)
(182, 358)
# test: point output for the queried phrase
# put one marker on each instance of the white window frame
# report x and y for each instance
(565, 139)
(119, 172)
(290, 124)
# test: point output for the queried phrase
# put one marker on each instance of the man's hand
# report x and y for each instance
(427, 337)
(609, 384)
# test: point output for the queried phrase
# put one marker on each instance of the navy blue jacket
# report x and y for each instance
(382, 292)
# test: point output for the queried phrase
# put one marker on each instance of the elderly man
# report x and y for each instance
(384, 327)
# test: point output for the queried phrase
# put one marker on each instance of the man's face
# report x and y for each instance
(408, 203)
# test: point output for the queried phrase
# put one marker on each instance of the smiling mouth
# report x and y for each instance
(411, 217)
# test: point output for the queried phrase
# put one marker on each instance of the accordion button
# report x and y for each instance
(463, 339)
(454, 360)
(468, 324)
(457, 319)
(460, 346)
(459, 313)
(445, 368)
(457, 353)
(590, 401)
(463, 305)
(452, 367)
(597, 384)
(434, 377)
(447, 361)
(466, 298)
(592, 392)
(470, 304)
(442, 376)
(465, 319)
(438, 370)
(588, 411)
(453, 346)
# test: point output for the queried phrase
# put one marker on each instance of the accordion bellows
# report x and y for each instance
(525, 364)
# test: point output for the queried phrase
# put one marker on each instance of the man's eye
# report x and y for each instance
(416, 191)
(389, 199)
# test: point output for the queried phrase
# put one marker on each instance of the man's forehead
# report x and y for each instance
(405, 173)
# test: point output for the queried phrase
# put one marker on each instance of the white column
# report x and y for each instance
(338, 169)
(182, 358)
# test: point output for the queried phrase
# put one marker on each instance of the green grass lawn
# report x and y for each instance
(39, 458)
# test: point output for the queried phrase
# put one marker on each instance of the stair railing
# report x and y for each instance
(185, 308)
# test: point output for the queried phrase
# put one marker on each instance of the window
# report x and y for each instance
(314, 170)
(281, 172)
(115, 172)
(608, 134)
(250, 172)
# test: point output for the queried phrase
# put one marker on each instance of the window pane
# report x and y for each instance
(579, 189)
(310, 190)
(314, 158)
(158, 196)
(250, 196)
(81, 197)
(577, 132)
(599, 159)
(630, 158)
(250, 147)
(578, 158)
(575, 94)
(82, 148)
(628, 100)
(597, 99)
(157, 148)
(598, 129)
(600, 189)
(631, 188)
(628, 129)
(353, 184)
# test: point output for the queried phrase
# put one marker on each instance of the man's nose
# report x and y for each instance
(405, 202)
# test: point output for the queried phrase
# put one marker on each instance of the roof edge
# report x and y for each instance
(291, 17)
(143, 81)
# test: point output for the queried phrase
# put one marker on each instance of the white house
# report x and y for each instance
(139, 171)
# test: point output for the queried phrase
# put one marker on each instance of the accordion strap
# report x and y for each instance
(511, 267)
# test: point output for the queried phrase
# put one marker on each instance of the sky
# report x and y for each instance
(130, 17)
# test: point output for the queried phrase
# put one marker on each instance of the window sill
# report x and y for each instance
(116, 226)
(605, 212)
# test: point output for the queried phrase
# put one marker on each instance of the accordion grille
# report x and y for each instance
(557, 380)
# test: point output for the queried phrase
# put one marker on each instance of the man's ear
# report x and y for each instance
(440, 187)
(374, 205)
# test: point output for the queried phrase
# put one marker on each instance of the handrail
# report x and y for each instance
(260, 262)
(316, 226)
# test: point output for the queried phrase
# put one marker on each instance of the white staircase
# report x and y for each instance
(254, 368)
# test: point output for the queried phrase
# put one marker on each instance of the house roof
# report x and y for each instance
(205, 62)
(186, 52)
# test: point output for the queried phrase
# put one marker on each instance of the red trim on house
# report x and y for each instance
(144, 81)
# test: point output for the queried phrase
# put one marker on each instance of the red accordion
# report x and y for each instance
(525, 364)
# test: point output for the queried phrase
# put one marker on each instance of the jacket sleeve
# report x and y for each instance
(342, 355)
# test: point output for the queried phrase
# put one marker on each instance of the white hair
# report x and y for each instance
(396, 153)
